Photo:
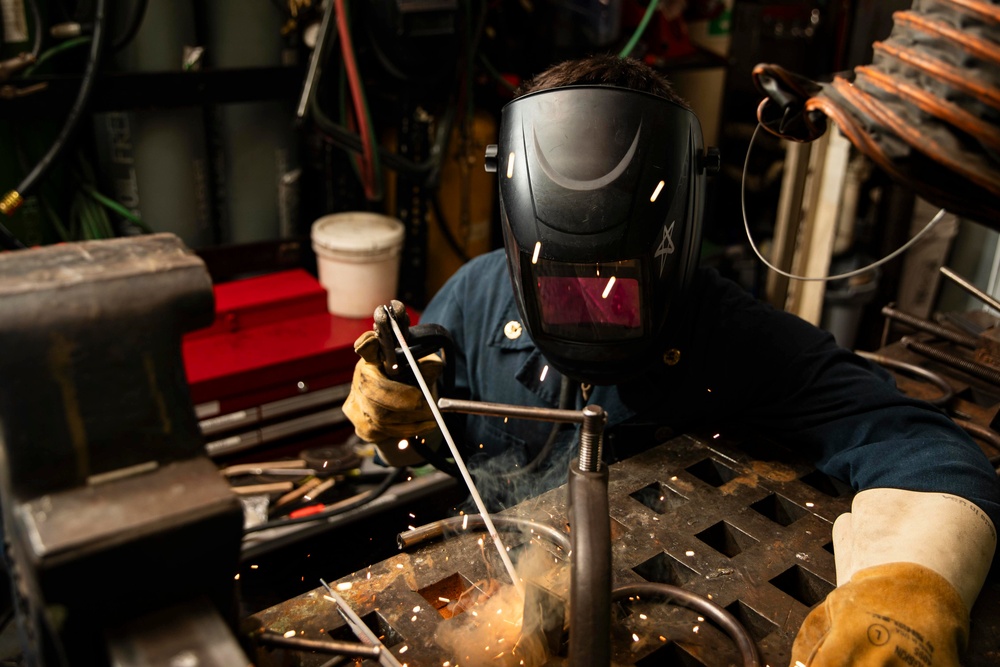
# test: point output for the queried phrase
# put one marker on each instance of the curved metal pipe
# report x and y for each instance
(947, 393)
(475, 522)
(707, 608)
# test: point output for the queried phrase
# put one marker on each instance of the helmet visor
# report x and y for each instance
(589, 302)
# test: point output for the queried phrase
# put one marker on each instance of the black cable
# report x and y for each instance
(132, 26)
(72, 120)
(333, 510)
(444, 229)
(567, 394)
(8, 240)
(36, 14)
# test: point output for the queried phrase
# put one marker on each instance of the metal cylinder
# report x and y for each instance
(590, 575)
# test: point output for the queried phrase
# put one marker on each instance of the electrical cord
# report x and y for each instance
(707, 608)
(370, 167)
(567, 395)
(13, 199)
(336, 508)
(445, 230)
(135, 19)
(641, 28)
(895, 253)
(36, 14)
(62, 47)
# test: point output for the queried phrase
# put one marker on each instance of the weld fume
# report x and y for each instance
(490, 631)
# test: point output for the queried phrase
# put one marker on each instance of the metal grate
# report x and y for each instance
(726, 521)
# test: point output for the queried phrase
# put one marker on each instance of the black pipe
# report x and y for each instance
(590, 577)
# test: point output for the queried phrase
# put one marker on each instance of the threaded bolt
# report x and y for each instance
(592, 438)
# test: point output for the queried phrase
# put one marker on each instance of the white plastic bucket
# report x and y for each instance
(358, 257)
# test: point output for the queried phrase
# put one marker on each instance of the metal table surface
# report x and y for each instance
(734, 519)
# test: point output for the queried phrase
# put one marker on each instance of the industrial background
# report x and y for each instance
(236, 124)
(213, 120)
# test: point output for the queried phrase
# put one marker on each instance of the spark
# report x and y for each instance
(404, 649)
(416, 610)
(674, 478)
(412, 515)
(510, 165)
(441, 599)
(290, 633)
(701, 619)
(656, 192)
(411, 527)
(643, 616)
(465, 522)
(237, 576)
(810, 504)
(695, 629)
(413, 618)
(345, 586)
(716, 435)
(607, 289)
(254, 567)
(688, 553)
(635, 637)
(662, 638)
(403, 444)
(399, 566)
(368, 576)
(545, 371)
(538, 249)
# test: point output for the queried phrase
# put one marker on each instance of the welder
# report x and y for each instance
(598, 298)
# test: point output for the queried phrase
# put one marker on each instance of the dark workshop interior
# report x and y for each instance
(207, 203)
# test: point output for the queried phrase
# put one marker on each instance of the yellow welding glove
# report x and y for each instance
(381, 409)
(909, 566)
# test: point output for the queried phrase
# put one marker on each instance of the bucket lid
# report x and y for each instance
(359, 232)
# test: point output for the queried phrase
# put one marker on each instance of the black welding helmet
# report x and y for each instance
(601, 198)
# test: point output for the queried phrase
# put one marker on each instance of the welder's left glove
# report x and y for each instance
(909, 566)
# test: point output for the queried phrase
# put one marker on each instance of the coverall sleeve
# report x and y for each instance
(791, 381)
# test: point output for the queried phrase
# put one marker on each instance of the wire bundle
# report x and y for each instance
(926, 110)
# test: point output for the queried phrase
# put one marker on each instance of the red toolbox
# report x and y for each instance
(274, 366)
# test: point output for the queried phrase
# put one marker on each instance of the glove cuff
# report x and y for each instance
(942, 532)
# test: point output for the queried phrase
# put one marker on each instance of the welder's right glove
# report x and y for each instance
(381, 409)
(909, 567)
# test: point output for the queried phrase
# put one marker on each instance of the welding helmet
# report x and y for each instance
(601, 198)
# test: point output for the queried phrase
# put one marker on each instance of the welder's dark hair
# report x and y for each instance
(604, 70)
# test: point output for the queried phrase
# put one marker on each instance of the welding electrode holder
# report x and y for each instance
(422, 339)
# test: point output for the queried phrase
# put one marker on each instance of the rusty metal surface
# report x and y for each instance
(731, 520)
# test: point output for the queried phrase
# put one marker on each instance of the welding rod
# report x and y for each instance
(480, 505)
(361, 631)
(322, 646)
(971, 289)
